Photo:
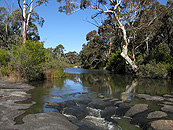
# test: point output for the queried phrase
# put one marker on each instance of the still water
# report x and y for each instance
(81, 84)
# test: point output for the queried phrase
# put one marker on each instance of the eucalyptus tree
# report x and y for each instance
(8, 33)
(72, 57)
(27, 8)
(59, 50)
(94, 53)
(125, 13)
(11, 23)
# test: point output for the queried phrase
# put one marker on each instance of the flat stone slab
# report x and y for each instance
(150, 98)
(46, 121)
(156, 115)
(138, 108)
(10, 93)
(167, 108)
(162, 125)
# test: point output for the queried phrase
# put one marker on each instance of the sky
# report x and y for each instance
(59, 28)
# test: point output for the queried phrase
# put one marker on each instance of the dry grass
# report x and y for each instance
(49, 74)
(13, 77)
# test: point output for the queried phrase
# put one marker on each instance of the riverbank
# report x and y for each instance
(10, 95)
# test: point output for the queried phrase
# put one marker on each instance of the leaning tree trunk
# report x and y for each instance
(124, 52)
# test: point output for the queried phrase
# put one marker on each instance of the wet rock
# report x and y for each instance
(140, 119)
(150, 98)
(76, 111)
(162, 125)
(70, 103)
(54, 105)
(156, 115)
(108, 112)
(99, 104)
(138, 108)
(46, 121)
(167, 108)
(121, 111)
(84, 102)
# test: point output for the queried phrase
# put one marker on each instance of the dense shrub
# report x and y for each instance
(4, 60)
(4, 57)
(153, 70)
(116, 63)
(28, 59)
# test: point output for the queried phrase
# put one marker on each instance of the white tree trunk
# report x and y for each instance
(124, 52)
(24, 23)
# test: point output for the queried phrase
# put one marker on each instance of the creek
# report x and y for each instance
(84, 85)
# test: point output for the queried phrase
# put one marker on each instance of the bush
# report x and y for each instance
(116, 63)
(153, 70)
(4, 57)
(27, 59)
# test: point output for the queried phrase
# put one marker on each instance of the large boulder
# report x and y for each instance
(162, 125)
(138, 108)
(76, 111)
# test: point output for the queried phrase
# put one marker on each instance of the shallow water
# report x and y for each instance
(84, 84)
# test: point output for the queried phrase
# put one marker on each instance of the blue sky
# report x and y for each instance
(59, 28)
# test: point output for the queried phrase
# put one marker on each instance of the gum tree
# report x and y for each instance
(27, 8)
(126, 13)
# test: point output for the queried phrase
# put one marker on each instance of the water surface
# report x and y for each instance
(82, 84)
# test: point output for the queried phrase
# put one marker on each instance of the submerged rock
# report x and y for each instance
(162, 125)
(138, 108)
(52, 104)
(156, 115)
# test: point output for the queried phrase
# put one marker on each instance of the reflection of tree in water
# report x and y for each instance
(94, 81)
(154, 86)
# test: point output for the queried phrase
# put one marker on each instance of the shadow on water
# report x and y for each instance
(82, 84)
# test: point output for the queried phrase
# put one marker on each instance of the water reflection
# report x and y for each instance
(82, 84)
(82, 81)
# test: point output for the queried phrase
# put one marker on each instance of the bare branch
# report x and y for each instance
(19, 4)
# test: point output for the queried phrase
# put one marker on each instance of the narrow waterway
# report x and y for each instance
(84, 85)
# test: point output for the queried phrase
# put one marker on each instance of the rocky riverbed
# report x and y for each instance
(75, 114)
(140, 116)
(10, 95)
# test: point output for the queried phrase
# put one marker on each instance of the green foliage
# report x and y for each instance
(116, 63)
(4, 71)
(27, 59)
(59, 73)
(4, 57)
(153, 70)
